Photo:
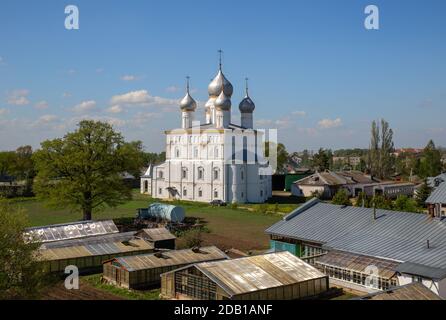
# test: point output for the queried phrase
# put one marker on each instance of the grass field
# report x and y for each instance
(95, 281)
(241, 228)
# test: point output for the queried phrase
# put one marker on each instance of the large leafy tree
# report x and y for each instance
(7, 159)
(321, 160)
(341, 198)
(21, 275)
(387, 148)
(422, 194)
(404, 203)
(381, 162)
(430, 165)
(282, 154)
(83, 170)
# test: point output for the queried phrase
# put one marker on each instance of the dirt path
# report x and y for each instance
(85, 292)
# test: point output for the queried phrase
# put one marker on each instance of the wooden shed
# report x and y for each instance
(274, 276)
(161, 238)
(88, 254)
(142, 271)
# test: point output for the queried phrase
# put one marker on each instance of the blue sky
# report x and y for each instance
(316, 74)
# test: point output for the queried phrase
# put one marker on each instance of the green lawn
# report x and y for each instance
(242, 228)
(95, 281)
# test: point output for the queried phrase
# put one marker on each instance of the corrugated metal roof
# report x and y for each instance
(244, 275)
(358, 263)
(400, 236)
(321, 222)
(93, 250)
(113, 237)
(157, 234)
(171, 258)
(411, 291)
(421, 270)
(438, 195)
(71, 230)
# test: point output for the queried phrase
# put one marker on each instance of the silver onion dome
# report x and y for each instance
(246, 105)
(215, 87)
(223, 102)
(188, 103)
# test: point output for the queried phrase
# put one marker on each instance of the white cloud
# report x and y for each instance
(278, 123)
(299, 113)
(66, 95)
(115, 109)
(85, 106)
(329, 123)
(71, 71)
(18, 97)
(41, 105)
(48, 118)
(129, 77)
(141, 97)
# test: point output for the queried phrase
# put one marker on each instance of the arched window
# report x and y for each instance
(242, 175)
(177, 152)
(195, 152)
(215, 193)
(261, 193)
(160, 174)
(200, 192)
(216, 174)
(146, 186)
(216, 152)
(184, 173)
(184, 192)
(200, 173)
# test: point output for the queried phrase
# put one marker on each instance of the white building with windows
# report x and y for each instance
(217, 160)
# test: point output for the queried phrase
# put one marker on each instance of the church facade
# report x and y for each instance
(217, 160)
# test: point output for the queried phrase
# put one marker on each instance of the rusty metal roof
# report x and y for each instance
(170, 258)
(411, 291)
(249, 274)
(358, 263)
(95, 249)
(157, 234)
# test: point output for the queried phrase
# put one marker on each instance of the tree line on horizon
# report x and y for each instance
(378, 160)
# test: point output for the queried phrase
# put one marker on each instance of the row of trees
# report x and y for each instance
(402, 203)
(426, 164)
(20, 165)
(379, 160)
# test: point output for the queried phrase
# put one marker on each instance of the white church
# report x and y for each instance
(217, 160)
